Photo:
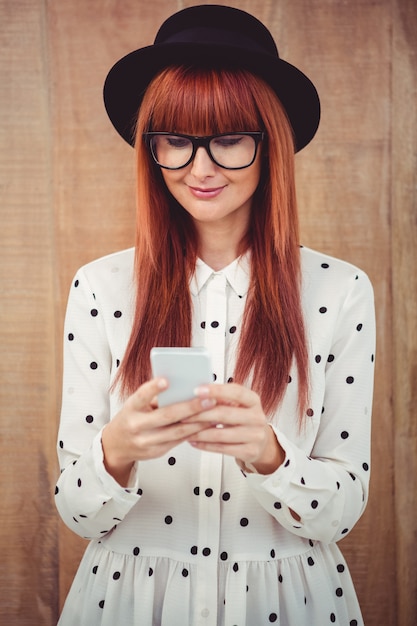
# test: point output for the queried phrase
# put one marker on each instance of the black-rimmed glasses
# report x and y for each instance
(232, 151)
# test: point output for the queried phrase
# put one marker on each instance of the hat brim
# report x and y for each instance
(129, 78)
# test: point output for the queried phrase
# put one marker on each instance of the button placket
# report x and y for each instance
(216, 315)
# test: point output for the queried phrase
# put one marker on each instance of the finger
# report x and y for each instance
(240, 435)
(182, 410)
(232, 393)
(143, 396)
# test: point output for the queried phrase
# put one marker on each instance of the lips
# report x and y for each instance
(206, 193)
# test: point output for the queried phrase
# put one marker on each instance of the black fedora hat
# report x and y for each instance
(219, 36)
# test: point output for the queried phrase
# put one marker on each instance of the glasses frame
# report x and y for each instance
(203, 142)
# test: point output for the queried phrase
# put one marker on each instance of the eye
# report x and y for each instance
(177, 142)
(228, 141)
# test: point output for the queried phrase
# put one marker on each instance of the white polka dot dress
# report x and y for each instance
(192, 540)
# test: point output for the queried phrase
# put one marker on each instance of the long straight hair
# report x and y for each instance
(204, 101)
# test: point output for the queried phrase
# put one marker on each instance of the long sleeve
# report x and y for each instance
(88, 499)
(325, 475)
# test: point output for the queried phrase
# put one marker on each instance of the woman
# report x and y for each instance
(191, 523)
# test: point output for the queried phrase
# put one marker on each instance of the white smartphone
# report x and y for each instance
(184, 368)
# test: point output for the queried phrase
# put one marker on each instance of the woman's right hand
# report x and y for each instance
(141, 431)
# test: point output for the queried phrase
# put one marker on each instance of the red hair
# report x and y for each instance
(202, 102)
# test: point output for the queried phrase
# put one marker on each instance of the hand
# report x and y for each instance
(237, 426)
(141, 431)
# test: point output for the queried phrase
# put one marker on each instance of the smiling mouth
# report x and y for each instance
(206, 193)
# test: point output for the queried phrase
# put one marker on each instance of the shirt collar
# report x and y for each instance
(237, 275)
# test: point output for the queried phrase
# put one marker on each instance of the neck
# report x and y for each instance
(219, 247)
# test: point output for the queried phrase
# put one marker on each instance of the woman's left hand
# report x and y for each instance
(239, 427)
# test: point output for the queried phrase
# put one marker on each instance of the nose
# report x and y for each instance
(202, 165)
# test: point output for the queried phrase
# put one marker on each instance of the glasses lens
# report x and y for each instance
(233, 151)
(171, 151)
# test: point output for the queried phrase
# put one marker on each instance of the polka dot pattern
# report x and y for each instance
(174, 502)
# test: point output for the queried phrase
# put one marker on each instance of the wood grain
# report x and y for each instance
(67, 196)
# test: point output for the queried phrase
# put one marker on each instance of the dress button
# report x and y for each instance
(205, 613)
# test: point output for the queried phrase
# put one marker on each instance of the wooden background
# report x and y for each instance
(66, 184)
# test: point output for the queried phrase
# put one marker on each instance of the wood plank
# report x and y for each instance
(404, 301)
(27, 322)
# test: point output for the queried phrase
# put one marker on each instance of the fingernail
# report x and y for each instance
(208, 403)
(162, 383)
(201, 391)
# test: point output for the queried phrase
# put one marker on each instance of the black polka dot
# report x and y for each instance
(317, 358)
(139, 491)
(330, 358)
(93, 312)
(340, 568)
(185, 572)
(206, 551)
(209, 492)
(136, 551)
(235, 567)
(101, 604)
(117, 362)
(286, 464)
(224, 556)
(349, 380)
(277, 505)
(344, 531)
(172, 460)
(79, 482)
(280, 578)
(168, 519)
(226, 496)
(214, 377)
(150, 571)
(244, 521)
(310, 412)
(56, 490)
(332, 618)
(314, 504)
(353, 477)
(89, 419)
(310, 561)
(95, 568)
(359, 327)
(353, 622)
(323, 309)
(214, 324)
(325, 266)
(203, 324)
(116, 575)
(194, 550)
(77, 282)
(70, 337)
(289, 379)
(230, 380)
(61, 444)
(117, 314)
(93, 365)
(273, 617)
(339, 592)
(272, 553)
(196, 491)
(232, 330)
(365, 466)
(338, 484)
(344, 434)
(303, 482)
